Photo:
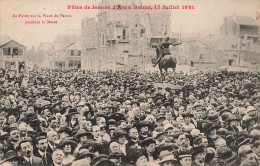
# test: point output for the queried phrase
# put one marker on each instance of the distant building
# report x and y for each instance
(90, 58)
(242, 26)
(12, 57)
(122, 36)
(46, 47)
(63, 54)
(74, 55)
(63, 40)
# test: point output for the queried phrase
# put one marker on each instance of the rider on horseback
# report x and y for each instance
(164, 49)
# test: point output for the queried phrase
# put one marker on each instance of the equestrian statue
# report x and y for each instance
(165, 59)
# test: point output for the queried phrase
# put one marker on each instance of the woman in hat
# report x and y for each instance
(138, 157)
(187, 125)
(72, 118)
(211, 133)
(68, 147)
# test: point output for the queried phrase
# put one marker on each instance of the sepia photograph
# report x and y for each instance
(129, 83)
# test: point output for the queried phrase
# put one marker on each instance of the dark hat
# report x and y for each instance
(225, 153)
(10, 155)
(41, 135)
(213, 116)
(97, 159)
(233, 118)
(118, 133)
(148, 141)
(247, 119)
(105, 162)
(242, 140)
(65, 129)
(160, 116)
(111, 122)
(90, 145)
(222, 132)
(85, 154)
(184, 153)
(208, 126)
(145, 123)
(197, 150)
(116, 155)
(10, 128)
(167, 103)
(67, 142)
(186, 113)
(82, 132)
(230, 139)
(72, 112)
(135, 153)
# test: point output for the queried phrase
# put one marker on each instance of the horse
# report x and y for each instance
(168, 61)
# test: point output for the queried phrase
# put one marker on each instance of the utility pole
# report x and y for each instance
(239, 50)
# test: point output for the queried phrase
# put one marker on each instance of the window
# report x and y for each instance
(72, 52)
(124, 33)
(15, 51)
(201, 56)
(142, 32)
(235, 55)
(79, 53)
(12, 51)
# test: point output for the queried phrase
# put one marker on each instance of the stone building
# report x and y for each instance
(122, 36)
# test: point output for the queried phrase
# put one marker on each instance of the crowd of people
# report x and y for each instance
(80, 118)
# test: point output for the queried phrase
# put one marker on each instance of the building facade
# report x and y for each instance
(12, 57)
(67, 50)
(122, 36)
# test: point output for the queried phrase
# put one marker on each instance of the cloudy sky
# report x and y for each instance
(208, 14)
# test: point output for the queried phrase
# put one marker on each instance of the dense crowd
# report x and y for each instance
(81, 118)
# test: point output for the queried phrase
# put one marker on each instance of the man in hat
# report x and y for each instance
(245, 155)
(145, 128)
(199, 156)
(120, 137)
(149, 145)
(185, 157)
(41, 150)
(234, 123)
(64, 132)
(133, 138)
(224, 156)
(167, 159)
(13, 142)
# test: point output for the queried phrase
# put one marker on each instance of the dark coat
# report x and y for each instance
(46, 161)
(36, 161)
